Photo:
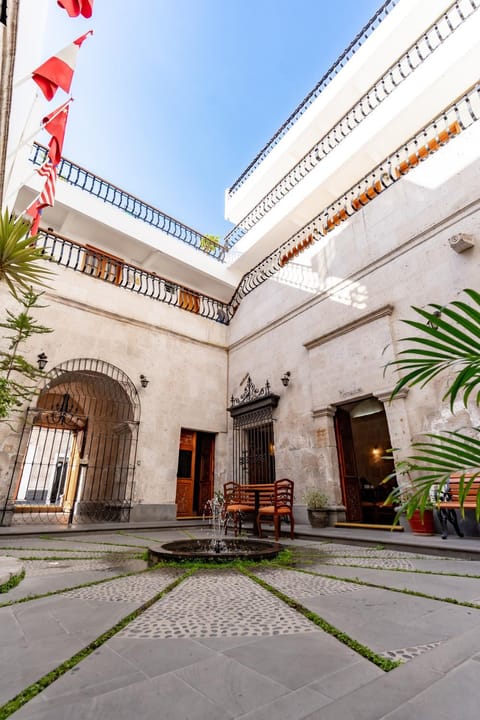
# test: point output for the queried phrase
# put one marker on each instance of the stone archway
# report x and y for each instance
(76, 459)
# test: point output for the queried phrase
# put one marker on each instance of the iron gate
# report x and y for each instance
(77, 451)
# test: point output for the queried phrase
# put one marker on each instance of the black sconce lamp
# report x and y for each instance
(144, 381)
(42, 360)
(432, 323)
(286, 378)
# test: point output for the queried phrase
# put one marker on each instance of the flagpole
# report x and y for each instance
(18, 83)
(31, 137)
(24, 182)
(15, 152)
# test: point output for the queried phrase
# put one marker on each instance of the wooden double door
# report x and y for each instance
(195, 472)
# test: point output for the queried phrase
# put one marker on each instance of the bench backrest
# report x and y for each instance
(455, 483)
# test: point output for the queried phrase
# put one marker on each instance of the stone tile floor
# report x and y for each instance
(220, 645)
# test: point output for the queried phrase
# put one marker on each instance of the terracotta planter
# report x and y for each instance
(318, 518)
(422, 526)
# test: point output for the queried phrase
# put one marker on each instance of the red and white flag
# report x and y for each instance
(77, 7)
(49, 172)
(46, 198)
(55, 123)
(57, 71)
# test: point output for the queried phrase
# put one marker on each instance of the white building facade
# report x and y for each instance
(266, 354)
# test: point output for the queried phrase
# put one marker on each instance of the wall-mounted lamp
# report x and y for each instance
(461, 242)
(144, 381)
(286, 378)
(42, 360)
(432, 323)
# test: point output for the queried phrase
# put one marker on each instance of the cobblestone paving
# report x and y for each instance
(27, 548)
(36, 568)
(358, 552)
(409, 653)
(218, 604)
(384, 564)
(56, 553)
(300, 585)
(135, 589)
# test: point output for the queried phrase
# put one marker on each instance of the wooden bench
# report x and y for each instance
(449, 500)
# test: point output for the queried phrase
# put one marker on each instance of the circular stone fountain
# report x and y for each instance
(214, 549)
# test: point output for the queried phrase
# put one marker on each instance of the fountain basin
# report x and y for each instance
(214, 550)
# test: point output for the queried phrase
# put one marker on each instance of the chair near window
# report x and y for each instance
(282, 507)
(237, 503)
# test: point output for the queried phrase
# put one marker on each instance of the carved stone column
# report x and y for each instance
(397, 420)
(326, 444)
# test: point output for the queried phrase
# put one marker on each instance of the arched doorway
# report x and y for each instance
(76, 459)
(363, 440)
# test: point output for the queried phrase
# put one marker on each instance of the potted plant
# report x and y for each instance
(447, 337)
(420, 518)
(316, 502)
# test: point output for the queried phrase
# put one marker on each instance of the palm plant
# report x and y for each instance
(21, 262)
(448, 338)
(18, 376)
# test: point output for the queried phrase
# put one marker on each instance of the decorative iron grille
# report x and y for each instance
(352, 48)
(424, 46)
(85, 180)
(253, 434)
(77, 451)
(115, 271)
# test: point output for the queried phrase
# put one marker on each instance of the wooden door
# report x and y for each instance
(186, 473)
(348, 466)
(205, 470)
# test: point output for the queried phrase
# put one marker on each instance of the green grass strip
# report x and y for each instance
(126, 533)
(12, 582)
(216, 563)
(27, 598)
(18, 548)
(61, 558)
(110, 544)
(35, 688)
(414, 571)
(404, 591)
(381, 662)
(85, 542)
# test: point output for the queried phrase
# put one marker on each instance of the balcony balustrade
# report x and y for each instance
(444, 128)
(103, 266)
(334, 69)
(102, 189)
(403, 68)
(420, 51)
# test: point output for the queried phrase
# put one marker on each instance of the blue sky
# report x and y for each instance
(174, 98)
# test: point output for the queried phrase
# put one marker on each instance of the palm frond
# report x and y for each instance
(448, 337)
(432, 463)
(22, 264)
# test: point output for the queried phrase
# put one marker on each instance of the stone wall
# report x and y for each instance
(332, 316)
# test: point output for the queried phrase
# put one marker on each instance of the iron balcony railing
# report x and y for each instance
(445, 127)
(403, 68)
(423, 48)
(92, 261)
(104, 190)
(334, 69)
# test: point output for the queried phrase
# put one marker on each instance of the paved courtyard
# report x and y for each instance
(317, 634)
